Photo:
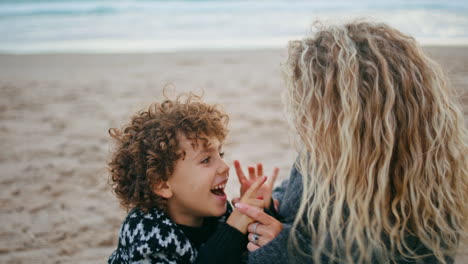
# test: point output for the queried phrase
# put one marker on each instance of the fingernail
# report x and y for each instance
(239, 206)
(260, 197)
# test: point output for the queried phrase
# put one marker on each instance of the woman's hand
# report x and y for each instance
(263, 230)
(265, 190)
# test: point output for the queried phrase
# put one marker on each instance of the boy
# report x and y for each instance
(168, 170)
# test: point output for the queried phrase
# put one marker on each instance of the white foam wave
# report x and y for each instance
(147, 26)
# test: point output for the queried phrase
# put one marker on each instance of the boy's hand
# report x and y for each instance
(265, 190)
(241, 221)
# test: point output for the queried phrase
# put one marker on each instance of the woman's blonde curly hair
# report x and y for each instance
(384, 147)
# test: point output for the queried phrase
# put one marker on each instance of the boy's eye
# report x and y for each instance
(206, 160)
(221, 154)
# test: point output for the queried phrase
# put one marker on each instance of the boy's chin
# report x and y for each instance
(220, 212)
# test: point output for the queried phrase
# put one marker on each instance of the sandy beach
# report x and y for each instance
(55, 111)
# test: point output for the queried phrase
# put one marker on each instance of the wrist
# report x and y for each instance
(238, 221)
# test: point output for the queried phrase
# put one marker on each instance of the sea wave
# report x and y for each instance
(67, 7)
(131, 25)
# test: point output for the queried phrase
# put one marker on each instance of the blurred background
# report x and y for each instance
(70, 70)
(148, 25)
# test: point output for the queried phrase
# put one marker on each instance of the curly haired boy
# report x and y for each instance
(168, 171)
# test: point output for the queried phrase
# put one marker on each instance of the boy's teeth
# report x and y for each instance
(219, 187)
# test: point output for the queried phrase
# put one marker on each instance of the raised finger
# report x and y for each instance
(259, 169)
(251, 192)
(239, 172)
(252, 173)
(252, 247)
(255, 213)
(273, 177)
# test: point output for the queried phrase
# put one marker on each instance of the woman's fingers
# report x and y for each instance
(255, 228)
(252, 247)
(262, 232)
(260, 241)
(255, 213)
(268, 233)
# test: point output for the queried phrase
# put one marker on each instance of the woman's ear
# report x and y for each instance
(163, 189)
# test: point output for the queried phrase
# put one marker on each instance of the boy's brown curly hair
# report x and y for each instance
(148, 147)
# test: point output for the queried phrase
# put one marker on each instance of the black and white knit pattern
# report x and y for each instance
(153, 238)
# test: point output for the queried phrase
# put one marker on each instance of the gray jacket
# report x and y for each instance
(276, 252)
(289, 195)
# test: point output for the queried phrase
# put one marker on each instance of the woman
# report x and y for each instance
(382, 173)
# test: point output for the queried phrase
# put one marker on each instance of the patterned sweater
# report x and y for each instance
(153, 238)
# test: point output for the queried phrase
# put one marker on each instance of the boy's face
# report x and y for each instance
(198, 182)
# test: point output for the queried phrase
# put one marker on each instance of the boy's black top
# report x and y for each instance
(153, 237)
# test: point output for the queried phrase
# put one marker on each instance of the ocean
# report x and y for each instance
(100, 26)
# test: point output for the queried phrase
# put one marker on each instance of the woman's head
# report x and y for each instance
(383, 140)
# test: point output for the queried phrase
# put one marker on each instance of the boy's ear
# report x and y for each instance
(163, 189)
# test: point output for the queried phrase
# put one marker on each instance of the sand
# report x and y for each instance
(55, 110)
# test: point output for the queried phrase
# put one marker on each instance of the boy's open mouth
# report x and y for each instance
(219, 189)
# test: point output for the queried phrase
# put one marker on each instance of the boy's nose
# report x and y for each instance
(223, 168)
